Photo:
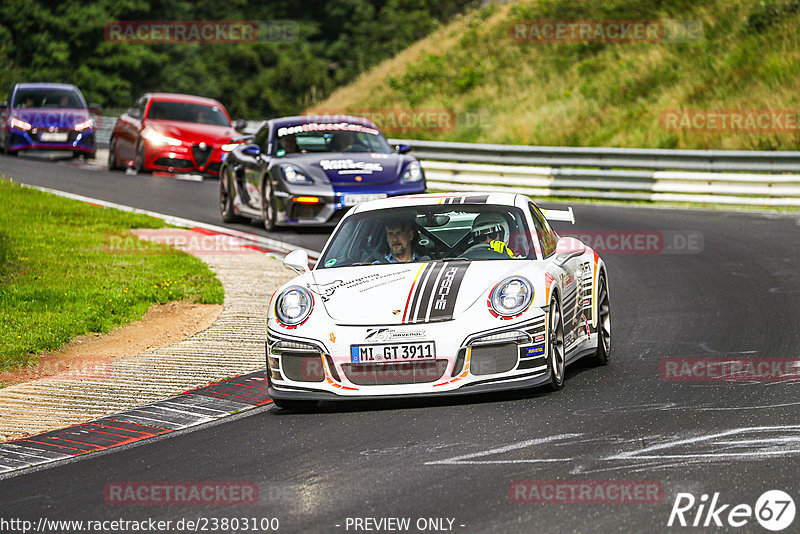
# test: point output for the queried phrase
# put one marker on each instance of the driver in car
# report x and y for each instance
(400, 235)
(490, 228)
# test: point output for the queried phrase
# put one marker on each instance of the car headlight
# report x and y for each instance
(294, 305)
(22, 125)
(159, 139)
(294, 175)
(512, 296)
(85, 125)
(229, 146)
(413, 172)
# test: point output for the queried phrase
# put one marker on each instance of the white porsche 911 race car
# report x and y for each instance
(437, 294)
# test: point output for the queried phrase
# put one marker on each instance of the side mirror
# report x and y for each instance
(568, 247)
(252, 150)
(402, 148)
(133, 112)
(297, 260)
(239, 125)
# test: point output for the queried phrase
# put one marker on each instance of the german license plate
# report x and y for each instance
(352, 200)
(392, 353)
(53, 137)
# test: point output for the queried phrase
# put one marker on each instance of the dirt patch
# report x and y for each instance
(90, 356)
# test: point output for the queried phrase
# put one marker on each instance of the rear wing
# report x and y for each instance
(566, 215)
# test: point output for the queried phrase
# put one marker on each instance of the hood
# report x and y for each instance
(351, 168)
(63, 119)
(405, 293)
(192, 132)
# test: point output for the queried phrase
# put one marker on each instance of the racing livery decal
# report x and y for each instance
(477, 199)
(435, 295)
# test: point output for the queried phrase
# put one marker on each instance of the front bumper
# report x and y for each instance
(31, 140)
(331, 206)
(506, 357)
(184, 159)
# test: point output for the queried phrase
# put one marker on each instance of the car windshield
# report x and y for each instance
(47, 98)
(330, 137)
(429, 233)
(187, 112)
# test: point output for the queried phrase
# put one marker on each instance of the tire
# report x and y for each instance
(268, 205)
(555, 346)
(226, 197)
(603, 323)
(90, 155)
(113, 163)
(139, 158)
(6, 150)
(295, 405)
(76, 154)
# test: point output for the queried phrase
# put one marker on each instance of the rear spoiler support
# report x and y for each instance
(566, 215)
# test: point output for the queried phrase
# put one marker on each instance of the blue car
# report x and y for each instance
(308, 171)
(46, 116)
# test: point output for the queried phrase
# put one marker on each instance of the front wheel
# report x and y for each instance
(268, 205)
(226, 194)
(600, 357)
(6, 149)
(555, 346)
(139, 161)
(113, 163)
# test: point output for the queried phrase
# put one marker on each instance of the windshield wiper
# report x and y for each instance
(454, 259)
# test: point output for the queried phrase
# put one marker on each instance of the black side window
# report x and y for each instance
(262, 137)
(546, 236)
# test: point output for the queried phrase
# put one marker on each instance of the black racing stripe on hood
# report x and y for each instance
(446, 291)
(421, 304)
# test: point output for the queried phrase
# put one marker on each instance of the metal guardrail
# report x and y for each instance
(665, 175)
(713, 176)
(622, 158)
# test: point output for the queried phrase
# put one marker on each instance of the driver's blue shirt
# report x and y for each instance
(391, 259)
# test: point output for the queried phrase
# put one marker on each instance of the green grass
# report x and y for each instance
(594, 94)
(60, 278)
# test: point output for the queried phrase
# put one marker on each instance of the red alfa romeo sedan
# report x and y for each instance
(172, 132)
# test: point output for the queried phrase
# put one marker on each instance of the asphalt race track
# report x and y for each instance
(735, 295)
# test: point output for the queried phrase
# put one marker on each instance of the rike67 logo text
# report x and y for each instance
(774, 510)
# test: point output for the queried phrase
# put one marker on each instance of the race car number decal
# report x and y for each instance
(392, 353)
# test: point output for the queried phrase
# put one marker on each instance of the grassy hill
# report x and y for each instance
(500, 90)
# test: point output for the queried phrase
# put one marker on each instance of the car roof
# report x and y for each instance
(324, 119)
(425, 199)
(46, 85)
(180, 97)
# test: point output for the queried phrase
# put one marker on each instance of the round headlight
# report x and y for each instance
(511, 296)
(294, 305)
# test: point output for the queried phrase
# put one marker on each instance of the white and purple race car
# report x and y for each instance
(437, 295)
